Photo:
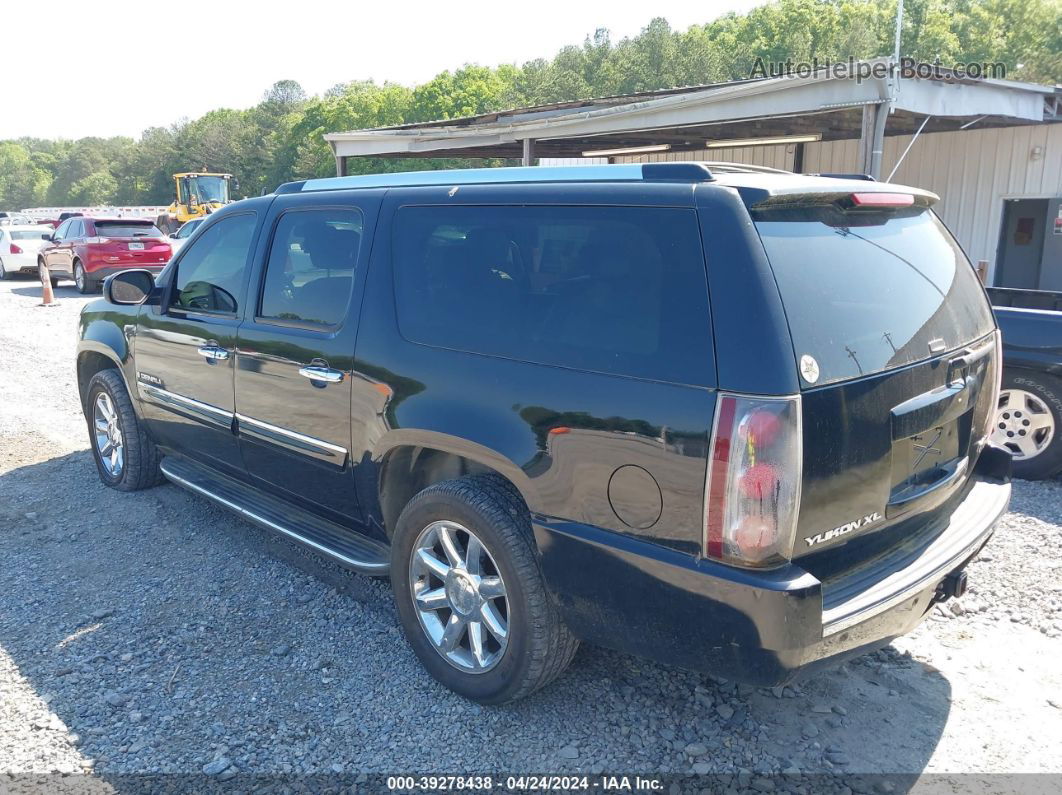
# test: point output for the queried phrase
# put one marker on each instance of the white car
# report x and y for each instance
(18, 248)
(178, 238)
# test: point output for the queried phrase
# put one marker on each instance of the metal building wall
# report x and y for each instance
(772, 156)
(972, 171)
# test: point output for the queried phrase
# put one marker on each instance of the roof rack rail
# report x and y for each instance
(624, 172)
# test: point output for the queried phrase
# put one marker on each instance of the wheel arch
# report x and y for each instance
(410, 461)
(94, 357)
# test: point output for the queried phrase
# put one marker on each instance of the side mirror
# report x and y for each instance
(46, 236)
(129, 288)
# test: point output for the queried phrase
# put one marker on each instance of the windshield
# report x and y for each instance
(209, 189)
(867, 295)
(126, 229)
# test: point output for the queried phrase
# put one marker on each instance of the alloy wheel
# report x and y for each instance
(459, 596)
(107, 431)
(1023, 424)
(79, 277)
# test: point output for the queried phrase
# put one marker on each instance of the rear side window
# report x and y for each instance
(311, 266)
(866, 296)
(611, 289)
(119, 229)
(211, 269)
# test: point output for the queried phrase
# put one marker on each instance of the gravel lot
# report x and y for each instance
(154, 633)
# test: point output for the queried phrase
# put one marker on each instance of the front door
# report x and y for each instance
(185, 348)
(295, 351)
(55, 253)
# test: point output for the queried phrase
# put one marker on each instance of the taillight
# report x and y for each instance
(752, 496)
(15, 249)
(882, 199)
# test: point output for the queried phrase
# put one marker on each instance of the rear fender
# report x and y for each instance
(370, 480)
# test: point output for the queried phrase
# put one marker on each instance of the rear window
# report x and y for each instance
(611, 289)
(871, 292)
(28, 234)
(126, 229)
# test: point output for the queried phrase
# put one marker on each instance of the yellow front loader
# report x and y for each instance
(198, 193)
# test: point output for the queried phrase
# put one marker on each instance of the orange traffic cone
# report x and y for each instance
(46, 284)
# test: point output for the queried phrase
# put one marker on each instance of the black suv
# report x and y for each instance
(731, 420)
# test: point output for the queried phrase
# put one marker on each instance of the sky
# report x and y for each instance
(134, 65)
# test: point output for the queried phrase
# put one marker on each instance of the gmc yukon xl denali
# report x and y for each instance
(728, 420)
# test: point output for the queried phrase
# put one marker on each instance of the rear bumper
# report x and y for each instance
(21, 263)
(98, 274)
(766, 627)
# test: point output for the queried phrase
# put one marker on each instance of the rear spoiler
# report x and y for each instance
(866, 177)
(828, 190)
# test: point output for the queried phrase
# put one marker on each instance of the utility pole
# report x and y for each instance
(899, 28)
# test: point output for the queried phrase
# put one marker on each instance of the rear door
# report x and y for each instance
(296, 349)
(185, 348)
(894, 342)
(74, 238)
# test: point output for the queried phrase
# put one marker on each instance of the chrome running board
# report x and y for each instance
(346, 546)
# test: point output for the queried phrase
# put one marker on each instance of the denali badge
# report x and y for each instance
(147, 378)
(845, 529)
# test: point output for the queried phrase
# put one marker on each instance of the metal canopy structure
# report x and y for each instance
(689, 119)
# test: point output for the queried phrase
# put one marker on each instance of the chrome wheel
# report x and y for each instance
(1024, 424)
(107, 431)
(79, 277)
(459, 596)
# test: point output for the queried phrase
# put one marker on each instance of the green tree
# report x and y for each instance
(22, 182)
(469, 91)
(97, 188)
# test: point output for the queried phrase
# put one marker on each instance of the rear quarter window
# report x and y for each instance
(611, 289)
(870, 293)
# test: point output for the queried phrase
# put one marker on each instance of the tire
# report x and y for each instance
(137, 465)
(55, 282)
(81, 279)
(3, 271)
(1028, 422)
(537, 647)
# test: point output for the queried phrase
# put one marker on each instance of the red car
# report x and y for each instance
(88, 250)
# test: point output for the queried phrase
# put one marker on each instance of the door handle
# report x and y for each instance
(322, 375)
(213, 352)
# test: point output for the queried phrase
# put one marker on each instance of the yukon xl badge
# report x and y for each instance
(845, 529)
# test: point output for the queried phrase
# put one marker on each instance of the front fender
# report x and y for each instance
(105, 331)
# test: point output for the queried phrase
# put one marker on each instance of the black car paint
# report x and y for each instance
(559, 435)
(1031, 323)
